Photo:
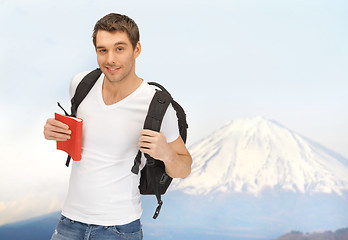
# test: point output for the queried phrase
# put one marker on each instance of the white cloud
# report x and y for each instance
(31, 205)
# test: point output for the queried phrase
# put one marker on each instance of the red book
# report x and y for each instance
(73, 145)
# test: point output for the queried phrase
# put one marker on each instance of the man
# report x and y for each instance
(103, 200)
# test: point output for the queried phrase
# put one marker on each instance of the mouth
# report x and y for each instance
(112, 69)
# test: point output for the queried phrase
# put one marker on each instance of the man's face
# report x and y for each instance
(115, 55)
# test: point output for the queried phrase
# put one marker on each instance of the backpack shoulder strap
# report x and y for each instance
(81, 92)
(180, 113)
(159, 86)
(157, 109)
(83, 89)
(182, 123)
(153, 121)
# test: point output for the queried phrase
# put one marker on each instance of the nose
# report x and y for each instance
(111, 58)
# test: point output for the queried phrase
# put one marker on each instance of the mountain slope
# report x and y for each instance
(253, 154)
(340, 234)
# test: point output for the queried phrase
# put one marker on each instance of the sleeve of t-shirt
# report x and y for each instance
(169, 126)
(75, 81)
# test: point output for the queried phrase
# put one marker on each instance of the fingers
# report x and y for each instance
(56, 130)
(151, 142)
(146, 140)
(147, 136)
(57, 136)
(146, 145)
(154, 144)
(147, 132)
(56, 123)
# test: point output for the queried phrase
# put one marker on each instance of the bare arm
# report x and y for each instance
(175, 156)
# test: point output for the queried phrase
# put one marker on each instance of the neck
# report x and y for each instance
(114, 92)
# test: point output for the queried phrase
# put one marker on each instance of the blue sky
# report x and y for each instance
(222, 60)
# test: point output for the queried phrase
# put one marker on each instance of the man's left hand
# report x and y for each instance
(155, 144)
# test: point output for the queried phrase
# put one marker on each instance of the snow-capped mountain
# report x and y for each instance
(253, 154)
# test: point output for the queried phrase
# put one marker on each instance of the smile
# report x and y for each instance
(112, 70)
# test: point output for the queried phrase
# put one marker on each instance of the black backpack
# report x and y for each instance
(153, 180)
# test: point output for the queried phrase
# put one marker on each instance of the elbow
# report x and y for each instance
(183, 170)
(187, 171)
(184, 173)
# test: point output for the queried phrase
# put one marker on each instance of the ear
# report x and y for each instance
(137, 50)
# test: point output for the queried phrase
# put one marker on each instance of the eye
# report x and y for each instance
(119, 49)
(102, 50)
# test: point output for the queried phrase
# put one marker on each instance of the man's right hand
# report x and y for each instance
(56, 130)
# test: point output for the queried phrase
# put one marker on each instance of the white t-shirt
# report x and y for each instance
(102, 188)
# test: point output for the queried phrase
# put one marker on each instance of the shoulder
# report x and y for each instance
(76, 80)
(170, 121)
(145, 92)
(148, 88)
(81, 75)
(78, 77)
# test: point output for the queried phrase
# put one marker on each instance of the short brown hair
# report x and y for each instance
(117, 22)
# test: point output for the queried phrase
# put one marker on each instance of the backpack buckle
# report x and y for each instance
(161, 100)
(158, 209)
(163, 178)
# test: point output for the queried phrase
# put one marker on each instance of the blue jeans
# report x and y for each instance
(73, 230)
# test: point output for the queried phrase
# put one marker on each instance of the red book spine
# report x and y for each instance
(74, 144)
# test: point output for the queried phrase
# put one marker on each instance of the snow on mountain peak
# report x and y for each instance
(253, 154)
